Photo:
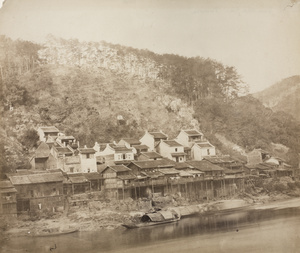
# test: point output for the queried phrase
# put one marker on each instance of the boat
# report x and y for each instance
(154, 218)
(54, 233)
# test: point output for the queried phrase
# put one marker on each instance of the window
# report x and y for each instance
(208, 152)
(32, 193)
(72, 169)
(87, 156)
(124, 156)
(176, 149)
(89, 170)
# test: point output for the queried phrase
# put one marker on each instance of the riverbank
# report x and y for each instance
(110, 214)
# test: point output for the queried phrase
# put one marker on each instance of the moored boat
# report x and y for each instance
(153, 219)
(50, 233)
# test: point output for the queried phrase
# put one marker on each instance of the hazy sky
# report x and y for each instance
(260, 38)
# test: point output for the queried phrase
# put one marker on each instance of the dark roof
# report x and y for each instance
(127, 177)
(158, 135)
(178, 154)
(92, 175)
(63, 137)
(64, 150)
(172, 143)
(77, 178)
(169, 171)
(119, 168)
(49, 129)
(204, 166)
(151, 155)
(148, 164)
(192, 132)
(153, 174)
(139, 147)
(203, 144)
(222, 159)
(229, 171)
(184, 165)
(121, 149)
(6, 186)
(132, 141)
(87, 150)
(36, 178)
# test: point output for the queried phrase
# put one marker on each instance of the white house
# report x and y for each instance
(202, 149)
(172, 149)
(45, 132)
(187, 138)
(87, 160)
(121, 153)
(151, 139)
(129, 142)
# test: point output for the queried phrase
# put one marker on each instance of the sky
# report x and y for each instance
(260, 38)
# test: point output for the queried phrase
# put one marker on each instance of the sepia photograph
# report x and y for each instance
(150, 126)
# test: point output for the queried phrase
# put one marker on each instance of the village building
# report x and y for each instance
(88, 162)
(187, 138)
(149, 156)
(151, 139)
(8, 199)
(121, 154)
(65, 141)
(202, 149)
(39, 192)
(46, 132)
(117, 181)
(257, 156)
(172, 150)
(40, 158)
(138, 149)
(129, 142)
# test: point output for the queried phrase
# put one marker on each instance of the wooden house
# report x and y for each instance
(149, 156)
(39, 192)
(8, 203)
(40, 158)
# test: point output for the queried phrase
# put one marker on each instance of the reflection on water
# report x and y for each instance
(220, 225)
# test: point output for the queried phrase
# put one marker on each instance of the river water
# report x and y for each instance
(271, 228)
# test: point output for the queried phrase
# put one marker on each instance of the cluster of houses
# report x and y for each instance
(136, 168)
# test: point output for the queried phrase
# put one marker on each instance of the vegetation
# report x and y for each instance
(85, 102)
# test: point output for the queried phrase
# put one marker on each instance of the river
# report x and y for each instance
(269, 228)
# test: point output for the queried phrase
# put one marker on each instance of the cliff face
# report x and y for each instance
(283, 96)
(95, 55)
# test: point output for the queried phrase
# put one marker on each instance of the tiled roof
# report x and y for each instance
(204, 144)
(77, 178)
(49, 129)
(87, 150)
(158, 135)
(205, 166)
(172, 143)
(139, 147)
(63, 137)
(6, 186)
(121, 149)
(193, 132)
(119, 168)
(132, 141)
(127, 177)
(153, 174)
(151, 155)
(64, 150)
(184, 165)
(220, 159)
(93, 175)
(183, 173)
(178, 154)
(36, 178)
(148, 164)
(169, 171)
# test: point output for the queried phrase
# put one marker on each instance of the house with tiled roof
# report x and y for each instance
(149, 156)
(152, 139)
(129, 142)
(8, 200)
(121, 154)
(39, 160)
(171, 149)
(47, 131)
(202, 149)
(117, 178)
(39, 192)
(187, 138)
(88, 162)
(150, 165)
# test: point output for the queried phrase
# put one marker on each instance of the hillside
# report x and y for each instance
(283, 96)
(101, 92)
